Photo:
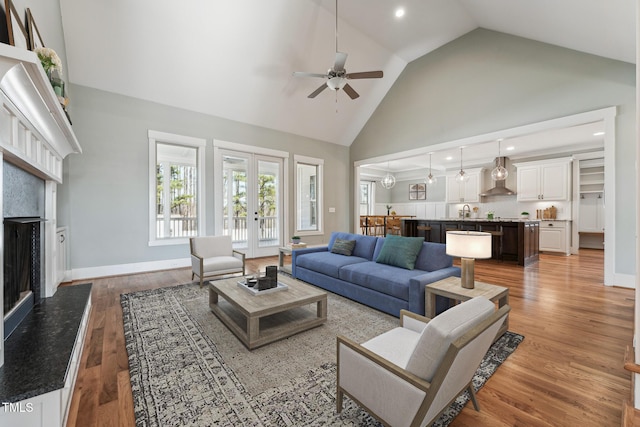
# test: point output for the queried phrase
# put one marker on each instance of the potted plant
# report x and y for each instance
(524, 215)
(295, 240)
(489, 214)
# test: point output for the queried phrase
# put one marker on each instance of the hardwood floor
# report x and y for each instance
(568, 371)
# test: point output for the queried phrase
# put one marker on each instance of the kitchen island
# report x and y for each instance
(514, 239)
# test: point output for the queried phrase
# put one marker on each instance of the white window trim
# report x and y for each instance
(319, 163)
(170, 138)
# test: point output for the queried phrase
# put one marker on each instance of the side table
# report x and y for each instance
(451, 288)
(286, 250)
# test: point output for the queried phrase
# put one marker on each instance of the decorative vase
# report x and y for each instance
(388, 212)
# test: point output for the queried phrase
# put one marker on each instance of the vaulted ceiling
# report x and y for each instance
(235, 59)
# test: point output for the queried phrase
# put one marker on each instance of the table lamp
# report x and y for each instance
(469, 246)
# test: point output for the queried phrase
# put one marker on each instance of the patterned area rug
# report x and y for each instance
(187, 369)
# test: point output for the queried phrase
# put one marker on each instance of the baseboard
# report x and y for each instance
(133, 268)
(624, 280)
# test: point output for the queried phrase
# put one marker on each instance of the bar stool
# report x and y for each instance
(427, 232)
(496, 237)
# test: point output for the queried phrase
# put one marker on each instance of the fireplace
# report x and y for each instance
(22, 268)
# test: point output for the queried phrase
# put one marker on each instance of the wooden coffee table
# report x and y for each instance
(451, 288)
(261, 319)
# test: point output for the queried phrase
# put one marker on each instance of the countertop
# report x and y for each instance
(496, 219)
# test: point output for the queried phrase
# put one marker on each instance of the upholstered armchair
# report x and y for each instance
(408, 376)
(214, 255)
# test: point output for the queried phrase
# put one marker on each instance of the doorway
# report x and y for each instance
(249, 205)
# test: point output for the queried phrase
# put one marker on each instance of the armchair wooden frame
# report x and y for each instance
(430, 389)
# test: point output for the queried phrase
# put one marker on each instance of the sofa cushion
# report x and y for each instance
(364, 244)
(383, 278)
(221, 263)
(444, 329)
(343, 247)
(432, 257)
(400, 251)
(326, 262)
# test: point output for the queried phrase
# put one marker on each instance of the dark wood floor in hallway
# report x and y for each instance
(568, 371)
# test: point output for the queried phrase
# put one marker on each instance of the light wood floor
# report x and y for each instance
(567, 371)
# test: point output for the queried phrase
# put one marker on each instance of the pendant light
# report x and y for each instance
(389, 180)
(430, 179)
(462, 176)
(499, 173)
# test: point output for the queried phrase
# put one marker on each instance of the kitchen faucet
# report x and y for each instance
(466, 208)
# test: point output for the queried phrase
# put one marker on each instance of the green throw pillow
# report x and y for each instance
(400, 251)
(343, 247)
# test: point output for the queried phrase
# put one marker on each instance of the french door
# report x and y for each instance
(251, 204)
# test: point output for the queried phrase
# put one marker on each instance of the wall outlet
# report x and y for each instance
(332, 210)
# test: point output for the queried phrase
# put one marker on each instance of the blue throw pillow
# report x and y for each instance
(343, 247)
(400, 251)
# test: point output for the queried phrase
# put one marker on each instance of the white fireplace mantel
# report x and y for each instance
(35, 135)
(35, 132)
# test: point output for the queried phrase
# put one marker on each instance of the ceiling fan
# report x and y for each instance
(337, 76)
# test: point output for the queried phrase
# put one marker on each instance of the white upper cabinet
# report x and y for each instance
(466, 192)
(544, 180)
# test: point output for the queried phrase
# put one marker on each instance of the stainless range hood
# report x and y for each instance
(500, 187)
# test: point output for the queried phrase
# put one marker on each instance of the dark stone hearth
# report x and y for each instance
(37, 354)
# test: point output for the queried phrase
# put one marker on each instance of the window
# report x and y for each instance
(367, 197)
(175, 194)
(308, 195)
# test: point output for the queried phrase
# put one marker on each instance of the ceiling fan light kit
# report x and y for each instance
(336, 83)
(337, 76)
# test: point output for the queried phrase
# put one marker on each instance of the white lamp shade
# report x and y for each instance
(469, 244)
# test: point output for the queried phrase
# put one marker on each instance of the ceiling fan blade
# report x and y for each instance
(317, 91)
(365, 75)
(350, 91)
(303, 74)
(341, 58)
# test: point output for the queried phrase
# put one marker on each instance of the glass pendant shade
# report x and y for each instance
(336, 83)
(389, 180)
(499, 173)
(462, 176)
(430, 179)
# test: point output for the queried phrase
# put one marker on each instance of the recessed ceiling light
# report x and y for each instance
(511, 148)
(449, 158)
(399, 12)
(598, 134)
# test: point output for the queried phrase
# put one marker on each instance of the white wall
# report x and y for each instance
(104, 198)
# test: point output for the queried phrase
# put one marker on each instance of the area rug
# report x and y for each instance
(187, 369)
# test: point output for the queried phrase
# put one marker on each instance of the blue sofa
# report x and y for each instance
(360, 278)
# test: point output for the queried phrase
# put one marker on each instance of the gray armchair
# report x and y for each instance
(408, 376)
(213, 256)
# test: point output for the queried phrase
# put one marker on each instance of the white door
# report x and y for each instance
(251, 202)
